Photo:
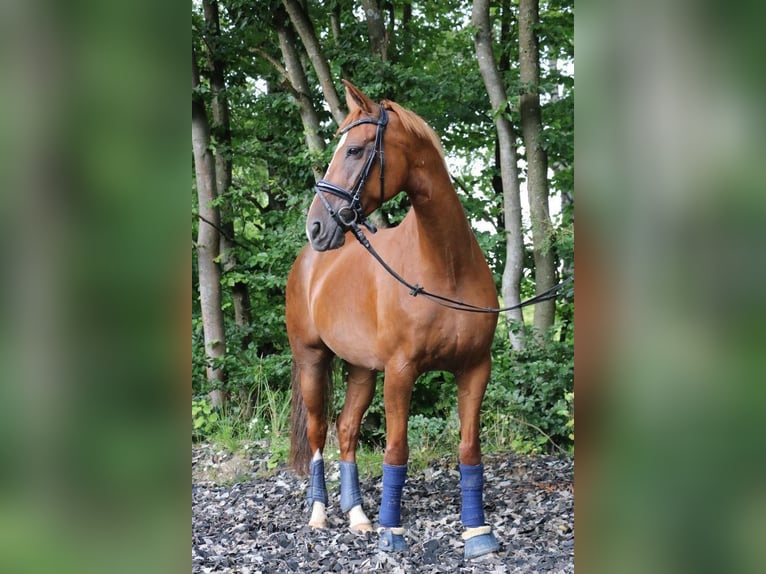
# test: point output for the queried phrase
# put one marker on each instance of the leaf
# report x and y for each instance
(250, 231)
(262, 198)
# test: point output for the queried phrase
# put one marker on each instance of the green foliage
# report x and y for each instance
(425, 431)
(259, 412)
(271, 400)
(205, 419)
(433, 398)
(432, 436)
(529, 404)
(279, 451)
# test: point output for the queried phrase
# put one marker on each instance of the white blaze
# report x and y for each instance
(340, 145)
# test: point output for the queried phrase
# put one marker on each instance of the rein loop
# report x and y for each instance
(416, 289)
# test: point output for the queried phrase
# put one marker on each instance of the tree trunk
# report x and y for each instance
(537, 163)
(404, 31)
(391, 31)
(297, 78)
(305, 30)
(376, 28)
(207, 242)
(507, 143)
(335, 22)
(221, 129)
(506, 16)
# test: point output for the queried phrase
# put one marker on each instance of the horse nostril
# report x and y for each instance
(316, 229)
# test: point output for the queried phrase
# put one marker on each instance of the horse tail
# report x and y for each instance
(300, 450)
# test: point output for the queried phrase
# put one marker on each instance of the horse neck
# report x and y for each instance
(444, 234)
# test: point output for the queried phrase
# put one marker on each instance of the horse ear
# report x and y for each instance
(355, 98)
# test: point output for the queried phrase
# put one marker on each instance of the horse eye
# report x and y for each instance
(354, 151)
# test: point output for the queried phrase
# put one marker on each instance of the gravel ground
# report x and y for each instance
(245, 523)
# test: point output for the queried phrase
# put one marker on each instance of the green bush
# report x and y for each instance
(529, 404)
(433, 397)
(425, 432)
(205, 419)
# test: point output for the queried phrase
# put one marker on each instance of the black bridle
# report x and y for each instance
(349, 216)
(353, 213)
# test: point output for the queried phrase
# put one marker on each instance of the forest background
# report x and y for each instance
(496, 82)
(96, 301)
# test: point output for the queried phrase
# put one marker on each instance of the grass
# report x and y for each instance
(430, 438)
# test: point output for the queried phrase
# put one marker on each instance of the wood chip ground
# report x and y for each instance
(244, 523)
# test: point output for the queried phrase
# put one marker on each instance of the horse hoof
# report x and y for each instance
(481, 545)
(390, 542)
(361, 527)
(318, 518)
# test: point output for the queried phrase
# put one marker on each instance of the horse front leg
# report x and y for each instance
(314, 384)
(478, 536)
(360, 389)
(397, 392)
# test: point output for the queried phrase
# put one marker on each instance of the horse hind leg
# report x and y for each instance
(478, 536)
(311, 393)
(360, 389)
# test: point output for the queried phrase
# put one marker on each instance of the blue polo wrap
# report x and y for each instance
(350, 495)
(471, 486)
(391, 502)
(317, 491)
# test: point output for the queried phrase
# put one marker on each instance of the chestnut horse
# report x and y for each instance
(342, 302)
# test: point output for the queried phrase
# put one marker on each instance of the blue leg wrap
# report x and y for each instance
(350, 495)
(472, 512)
(390, 542)
(317, 491)
(471, 486)
(480, 545)
(391, 503)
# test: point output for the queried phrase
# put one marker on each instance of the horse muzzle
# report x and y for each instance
(325, 234)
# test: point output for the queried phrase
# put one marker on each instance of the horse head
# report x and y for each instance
(367, 169)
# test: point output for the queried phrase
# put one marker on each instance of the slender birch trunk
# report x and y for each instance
(208, 243)
(300, 87)
(221, 129)
(507, 143)
(537, 163)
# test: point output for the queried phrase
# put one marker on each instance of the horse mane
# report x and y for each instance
(415, 125)
(411, 122)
